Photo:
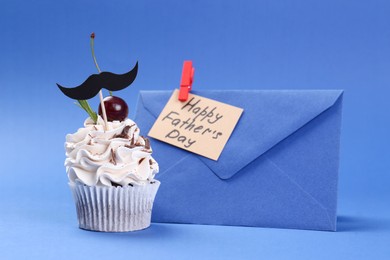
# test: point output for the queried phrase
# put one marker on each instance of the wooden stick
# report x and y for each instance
(103, 109)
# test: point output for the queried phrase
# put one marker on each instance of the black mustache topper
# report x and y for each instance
(96, 82)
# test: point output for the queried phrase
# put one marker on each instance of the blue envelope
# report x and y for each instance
(279, 168)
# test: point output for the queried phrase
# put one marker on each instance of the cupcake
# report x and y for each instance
(109, 164)
(111, 175)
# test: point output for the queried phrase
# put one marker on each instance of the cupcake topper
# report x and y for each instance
(94, 85)
(96, 82)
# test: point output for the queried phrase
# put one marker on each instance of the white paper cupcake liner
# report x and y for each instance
(114, 209)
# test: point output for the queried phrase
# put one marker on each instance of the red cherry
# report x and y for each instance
(116, 108)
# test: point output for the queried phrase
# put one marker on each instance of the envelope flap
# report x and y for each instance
(155, 101)
(269, 117)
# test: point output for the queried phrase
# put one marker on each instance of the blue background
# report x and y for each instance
(274, 44)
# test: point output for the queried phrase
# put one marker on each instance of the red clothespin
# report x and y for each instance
(187, 77)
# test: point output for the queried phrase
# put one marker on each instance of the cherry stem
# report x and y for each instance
(100, 92)
(93, 52)
(94, 56)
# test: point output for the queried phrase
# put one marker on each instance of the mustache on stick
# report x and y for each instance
(96, 82)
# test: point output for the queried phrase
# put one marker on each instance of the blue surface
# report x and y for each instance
(234, 45)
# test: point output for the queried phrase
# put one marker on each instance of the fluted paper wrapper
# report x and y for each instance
(114, 209)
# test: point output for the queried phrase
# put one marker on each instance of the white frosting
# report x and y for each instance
(98, 157)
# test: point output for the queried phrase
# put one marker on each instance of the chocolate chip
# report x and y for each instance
(125, 130)
(124, 133)
(147, 143)
(132, 140)
(113, 159)
(140, 161)
(115, 184)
